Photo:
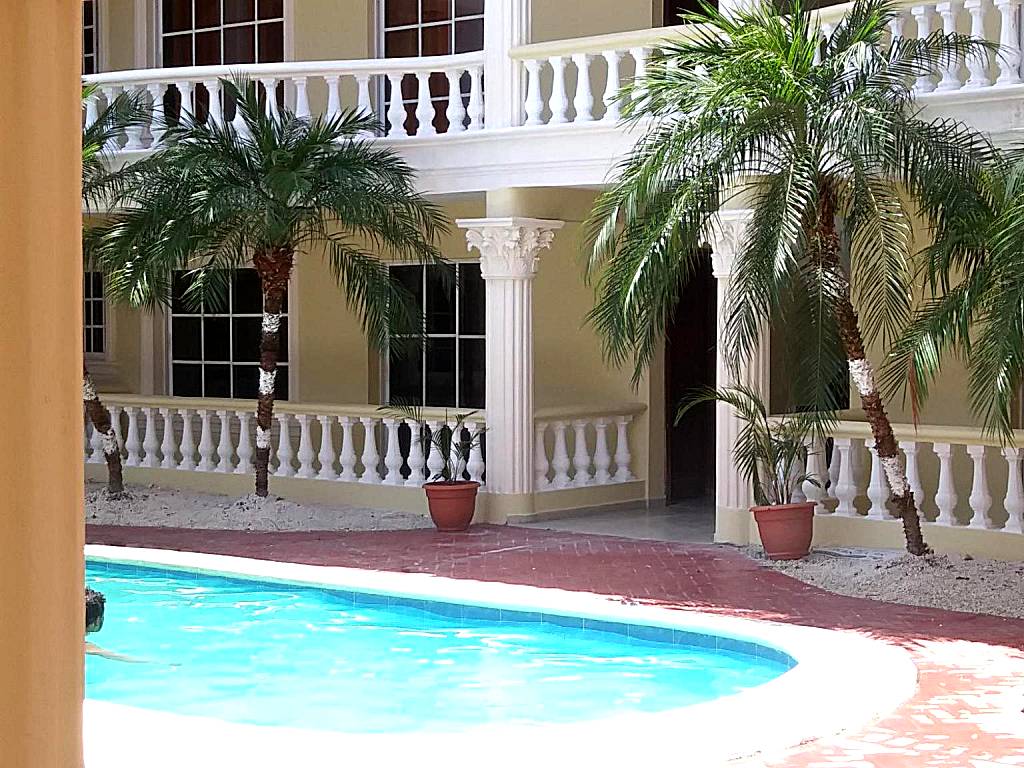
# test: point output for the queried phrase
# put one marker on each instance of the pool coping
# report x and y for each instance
(842, 682)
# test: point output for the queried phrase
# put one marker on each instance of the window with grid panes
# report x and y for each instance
(94, 317)
(430, 28)
(200, 32)
(89, 38)
(215, 351)
(448, 371)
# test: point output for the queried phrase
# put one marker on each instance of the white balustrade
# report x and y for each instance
(945, 497)
(424, 106)
(878, 486)
(909, 448)
(348, 451)
(580, 454)
(285, 452)
(559, 99)
(305, 455)
(187, 446)
(115, 424)
(817, 477)
(475, 465)
(370, 458)
(574, 459)
(455, 457)
(150, 445)
(1008, 57)
(132, 445)
(168, 447)
(1013, 502)
(417, 462)
(602, 459)
(978, 60)
(950, 80)
(245, 449)
(541, 465)
(326, 456)
(205, 442)
(393, 459)
(612, 110)
(225, 447)
(435, 462)
(923, 16)
(980, 498)
(845, 487)
(560, 457)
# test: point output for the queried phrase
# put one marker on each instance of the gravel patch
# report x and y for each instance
(952, 582)
(177, 508)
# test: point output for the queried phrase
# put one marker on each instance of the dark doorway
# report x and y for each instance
(675, 8)
(690, 358)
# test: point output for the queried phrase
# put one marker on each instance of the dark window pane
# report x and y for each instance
(246, 297)
(187, 380)
(398, 13)
(281, 390)
(271, 48)
(282, 356)
(88, 66)
(218, 381)
(471, 373)
(208, 48)
(440, 115)
(440, 299)
(471, 300)
(97, 285)
(87, 43)
(469, 7)
(410, 278)
(271, 9)
(97, 341)
(177, 15)
(178, 51)
(87, 13)
(402, 43)
(440, 372)
(239, 10)
(216, 339)
(240, 45)
(246, 381)
(435, 10)
(437, 41)
(180, 283)
(405, 379)
(207, 13)
(469, 36)
(185, 338)
(438, 85)
(247, 332)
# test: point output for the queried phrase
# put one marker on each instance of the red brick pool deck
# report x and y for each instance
(967, 710)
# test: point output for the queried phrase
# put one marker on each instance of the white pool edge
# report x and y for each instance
(843, 681)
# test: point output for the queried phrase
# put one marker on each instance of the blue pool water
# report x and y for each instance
(286, 655)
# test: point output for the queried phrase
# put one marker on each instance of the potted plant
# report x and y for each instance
(451, 498)
(770, 452)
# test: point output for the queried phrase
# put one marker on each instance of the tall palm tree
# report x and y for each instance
(818, 135)
(262, 189)
(102, 179)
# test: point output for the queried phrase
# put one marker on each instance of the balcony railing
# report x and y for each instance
(581, 447)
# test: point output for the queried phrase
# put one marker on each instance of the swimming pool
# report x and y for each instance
(289, 655)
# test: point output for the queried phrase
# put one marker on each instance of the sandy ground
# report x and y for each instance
(175, 508)
(953, 582)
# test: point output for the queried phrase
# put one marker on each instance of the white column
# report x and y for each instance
(506, 26)
(509, 249)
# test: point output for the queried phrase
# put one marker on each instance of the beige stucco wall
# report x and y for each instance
(558, 19)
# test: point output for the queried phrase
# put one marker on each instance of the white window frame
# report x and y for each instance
(99, 36)
(108, 337)
(386, 358)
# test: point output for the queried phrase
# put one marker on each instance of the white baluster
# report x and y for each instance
(347, 457)
(156, 114)
(245, 450)
(559, 101)
(167, 447)
(623, 458)
(424, 106)
(186, 90)
(216, 107)
(534, 102)
(110, 92)
(950, 69)
(980, 498)
(602, 458)
(115, 424)
(476, 99)
(239, 125)
(475, 466)
(796, 470)
(92, 109)
(417, 462)
(816, 471)
(305, 454)
(846, 486)
(945, 497)
(434, 461)
(833, 476)
(896, 26)
(541, 465)
(560, 459)
(131, 443)
(188, 443)
(396, 111)
(301, 98)
(370, 457)
(612, 109)
(923, 16)
(333, 97)
(456, 113)
(393, 456)
(878, 486)
(977, 60)
(363, 105)
(225, 446)
(909, 448)
(96, 443)
(1013, 502)
(1009, 42)
(150, 445)
(270, 107)
(584, 99)
(205, 442)
(285, 453)
(640, 72)
(326, 456)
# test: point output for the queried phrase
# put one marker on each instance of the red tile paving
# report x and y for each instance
(966, 713)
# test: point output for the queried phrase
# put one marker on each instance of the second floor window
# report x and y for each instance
(199, 32)
(95, 315)
(89, 38)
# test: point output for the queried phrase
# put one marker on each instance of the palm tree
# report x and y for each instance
(261, 189)
(819, 136)
(974, 271)
(100, 180)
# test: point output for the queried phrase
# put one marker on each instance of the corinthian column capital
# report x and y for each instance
(729, 236)
(509, 247)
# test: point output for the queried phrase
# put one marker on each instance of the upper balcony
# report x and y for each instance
(549, 114)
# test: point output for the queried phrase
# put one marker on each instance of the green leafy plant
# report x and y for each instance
(453, 442)
(770, 451)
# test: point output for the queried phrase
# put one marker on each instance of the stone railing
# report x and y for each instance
(959, 477)
(347, 443)
(581, 447)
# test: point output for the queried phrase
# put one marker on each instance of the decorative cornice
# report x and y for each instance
(509, 247)
(730, 234)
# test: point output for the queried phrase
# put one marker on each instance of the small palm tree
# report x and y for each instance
(819, 135)
(102, 179)
(262, 189)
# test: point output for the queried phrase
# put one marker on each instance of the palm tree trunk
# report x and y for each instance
(864, 378)
(100, 418)
(274, 268)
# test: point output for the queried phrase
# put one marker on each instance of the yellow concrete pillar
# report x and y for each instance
(41, 530)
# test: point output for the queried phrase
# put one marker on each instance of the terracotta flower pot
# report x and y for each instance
(786, 529)
(452, 504)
